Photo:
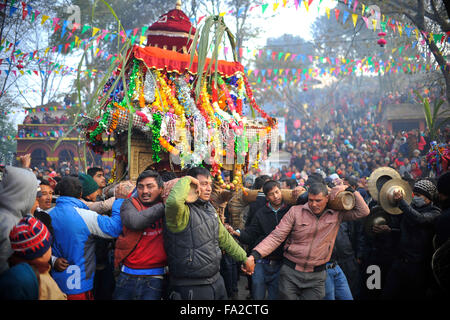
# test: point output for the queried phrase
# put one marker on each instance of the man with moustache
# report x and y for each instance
(139, 253)
(44, 203)
(194, 238)
(310, 231)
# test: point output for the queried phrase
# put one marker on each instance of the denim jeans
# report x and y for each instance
(138, 288)
(265, 277)
(336, 285)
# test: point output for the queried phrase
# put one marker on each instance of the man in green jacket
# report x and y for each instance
(194, 238)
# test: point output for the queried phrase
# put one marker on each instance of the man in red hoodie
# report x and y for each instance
(139, 253)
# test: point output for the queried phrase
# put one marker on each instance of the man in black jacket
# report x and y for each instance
(346, 254)
(443, 222)
(253, 208)
(410, 275)
(267, 270)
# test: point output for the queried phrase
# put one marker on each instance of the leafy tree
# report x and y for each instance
(30, 75)
(429, 16)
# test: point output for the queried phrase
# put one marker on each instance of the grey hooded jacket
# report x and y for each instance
(18, 190)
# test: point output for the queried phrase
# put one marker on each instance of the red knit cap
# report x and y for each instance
(30, 238)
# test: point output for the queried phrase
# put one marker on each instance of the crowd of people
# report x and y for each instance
(354, 142)
(35, 131)
(45, 119)
(43, 170)
(68, 234)
(78, 238)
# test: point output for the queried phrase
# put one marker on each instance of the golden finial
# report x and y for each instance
(178, 5)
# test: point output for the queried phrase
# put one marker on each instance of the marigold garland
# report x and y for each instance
(169, 96)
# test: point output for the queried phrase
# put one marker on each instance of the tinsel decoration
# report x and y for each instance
(149, 87)
(156, 128)
(132, 92)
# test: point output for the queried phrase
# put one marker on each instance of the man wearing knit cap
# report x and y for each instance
(89, 187)
(443, 222)
(75, 227)
(31, 240)
(410, 272)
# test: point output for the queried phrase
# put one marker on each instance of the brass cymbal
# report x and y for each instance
(387, 192)
(378, 178)
(376, 217)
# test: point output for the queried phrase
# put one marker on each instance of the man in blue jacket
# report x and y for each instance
(74, 229)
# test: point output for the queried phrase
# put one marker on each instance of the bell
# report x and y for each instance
(378, 178)
(386, 195)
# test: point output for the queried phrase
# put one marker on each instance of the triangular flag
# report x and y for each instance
(95, 30)
(366, 20)
(63, 31)
(354, 17)
(85, 28)
(12, 10)
(264, 7)
(336, 13)
(24, 11)
(345, 16)
(275, 6)
(306, 5)
(44, 18)
(57, 26)
(374, 22)
(328, 12)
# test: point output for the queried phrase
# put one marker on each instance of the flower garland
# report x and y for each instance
(240, 126)
(169, 96)
(240, 97)
(249, 92)
(96, 134)
(115, 118)
(202, 105)
(114, 169)
(156, 105)
(166, 145)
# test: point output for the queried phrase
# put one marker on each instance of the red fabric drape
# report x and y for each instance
(173, 61)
